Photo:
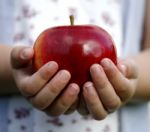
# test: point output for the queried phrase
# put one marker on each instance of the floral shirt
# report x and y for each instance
(30, 18)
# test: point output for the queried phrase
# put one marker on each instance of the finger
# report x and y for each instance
(51, 90)
(121, 67)
(128, 68)
(106, 92)
(131, 69)
(82, 108)
(62, 104)
(73, 107)
(93, 102)
(21, 56)
(120, 83)
(31, 84)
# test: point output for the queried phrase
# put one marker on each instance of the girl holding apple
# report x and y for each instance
(112, 86)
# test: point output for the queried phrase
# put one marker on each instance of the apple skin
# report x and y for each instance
(74, 48)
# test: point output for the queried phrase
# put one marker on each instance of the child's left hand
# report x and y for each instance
(112, 87)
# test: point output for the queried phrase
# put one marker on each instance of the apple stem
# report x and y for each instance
(71, 20)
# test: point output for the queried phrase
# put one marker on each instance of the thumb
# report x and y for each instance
(128, 68)
(21, 56)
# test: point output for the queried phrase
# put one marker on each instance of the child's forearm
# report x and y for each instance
(7, 84)
(143, 60)
(143, 63)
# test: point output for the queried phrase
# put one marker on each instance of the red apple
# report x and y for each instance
(74, 48)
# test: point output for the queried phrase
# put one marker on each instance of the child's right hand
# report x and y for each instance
(44, 88)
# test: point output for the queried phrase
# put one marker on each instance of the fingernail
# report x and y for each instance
(51, 64)
(95, 68)
(74, 89)
(105, 63)
(26, 53)
(89, 88)
(64, 74)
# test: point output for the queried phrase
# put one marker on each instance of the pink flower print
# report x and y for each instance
(87, 117)
(18, 18)
(30, 41)
(19, 36)
(106, 17)
(23, 127)
(106, 128)
(74, 121)
(88, 130)
(31, 26)
(27, 12)
(55, 121)
(21, 113)
(9, 121)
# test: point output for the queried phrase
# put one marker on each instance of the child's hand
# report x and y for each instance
(111, 88)
(44, 87)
